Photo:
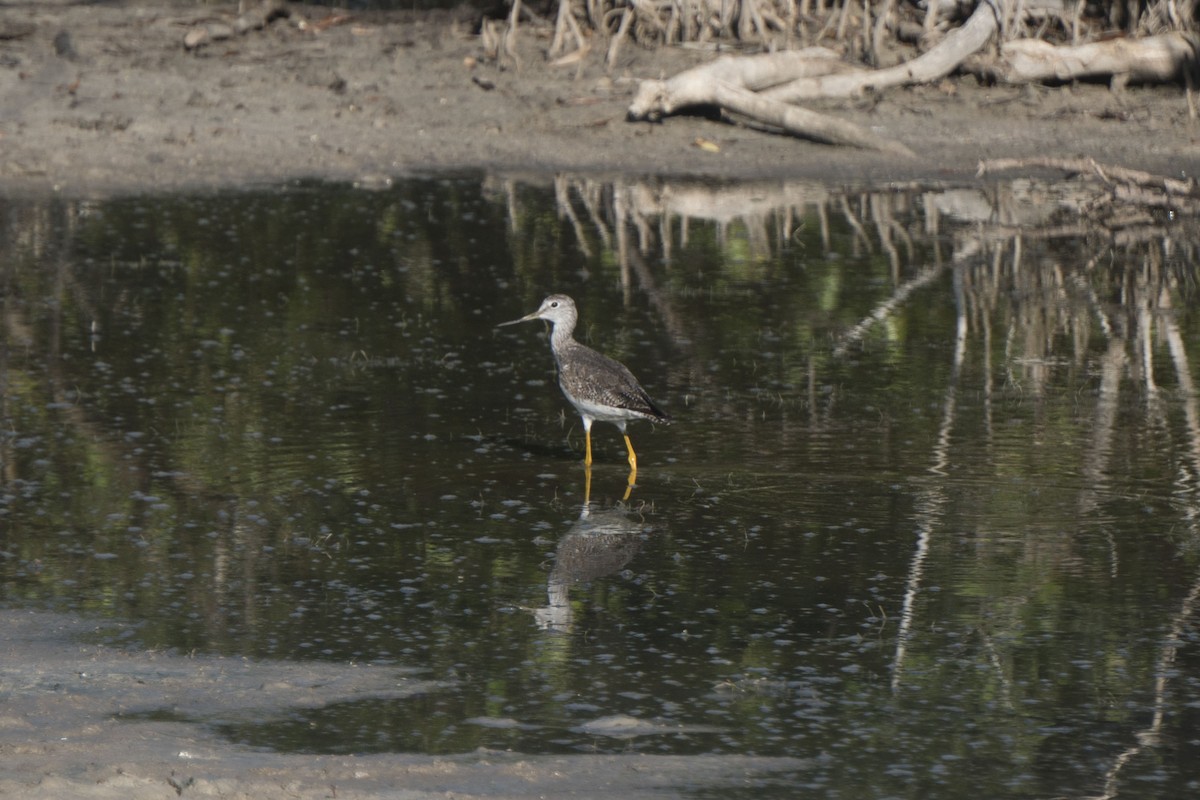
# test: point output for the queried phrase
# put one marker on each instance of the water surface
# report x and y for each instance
(927, 515)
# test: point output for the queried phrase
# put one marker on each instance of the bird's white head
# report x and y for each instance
(557, 308)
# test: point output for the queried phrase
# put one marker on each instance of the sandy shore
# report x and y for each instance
(98, 99)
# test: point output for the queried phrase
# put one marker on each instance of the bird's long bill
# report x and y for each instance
(525, 318)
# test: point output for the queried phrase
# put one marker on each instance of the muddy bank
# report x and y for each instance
(82, 719)
(98, 99)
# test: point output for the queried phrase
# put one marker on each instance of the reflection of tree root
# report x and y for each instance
(1089, 166)
(1128, 191)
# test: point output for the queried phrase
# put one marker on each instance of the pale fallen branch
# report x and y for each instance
(254, 18)
(958, 45)
(655, 99)
(1148, 59)
(803, 122)
(733, 84)
(763, 87)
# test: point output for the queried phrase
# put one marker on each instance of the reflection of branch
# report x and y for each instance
(1145, 340)
(886, 308)
(1095, 463)
(949, 404)
(916, 569)
(852, 219)
(513, 205)
(7, 475)
(1191, 413)
(933, 497)
(589, 195)
(994, 659)
(1107, 173)
(562, 198)
(1121, 191)
(660, 300)
(1149, 736)
(1089, 291)
(883, 228)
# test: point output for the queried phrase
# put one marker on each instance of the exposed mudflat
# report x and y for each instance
(84, 720)
(104, 98)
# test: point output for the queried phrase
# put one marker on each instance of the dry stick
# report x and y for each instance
(931, 15)
(578, 34)
(672, 34)
(726, 16)
(582, 47)
(743, 26)
(827, 26)
(558, 43)
(802, 122)
(843, 19)
(491, 39)
(752, 21)
(510, 37)
(649, 12)
(880, 28)
(866, 28)
(615, 45)
(577, 31)
(773, 21)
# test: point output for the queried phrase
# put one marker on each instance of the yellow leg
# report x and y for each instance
(632, 467)
(587, 458)
(632, 455)
(587, 485)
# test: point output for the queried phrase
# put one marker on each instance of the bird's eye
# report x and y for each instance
(554, 304)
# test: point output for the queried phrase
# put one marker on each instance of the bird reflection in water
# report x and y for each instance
(601, 542)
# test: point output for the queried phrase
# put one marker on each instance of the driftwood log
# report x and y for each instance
(766, 87)
(1148, 59)
(739, 84)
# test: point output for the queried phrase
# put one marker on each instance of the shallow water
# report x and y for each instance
(927, 515)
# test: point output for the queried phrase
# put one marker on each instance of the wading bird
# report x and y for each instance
(600, 388)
